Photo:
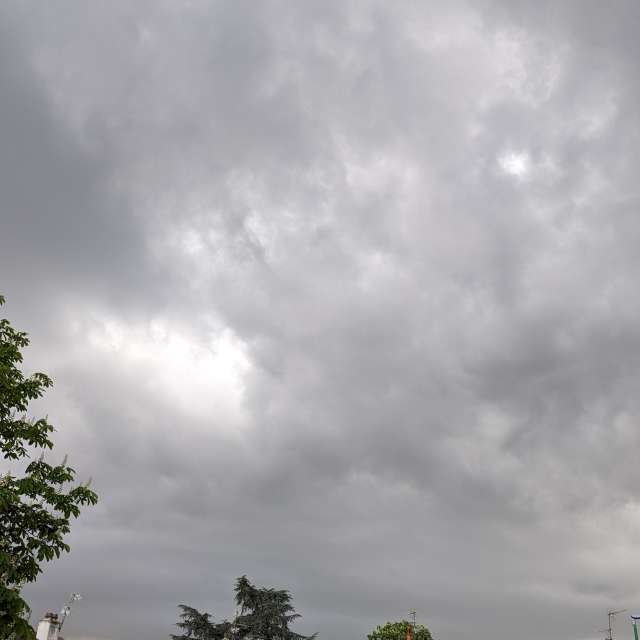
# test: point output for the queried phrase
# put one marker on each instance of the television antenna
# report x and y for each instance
(611, 615)
(412, 613)
(66, 610)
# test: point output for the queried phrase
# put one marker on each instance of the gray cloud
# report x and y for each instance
(338, 295)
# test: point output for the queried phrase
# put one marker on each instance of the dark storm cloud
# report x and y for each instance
(339, 295)
(65, 228)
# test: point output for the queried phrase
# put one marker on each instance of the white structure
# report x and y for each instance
(48, 627)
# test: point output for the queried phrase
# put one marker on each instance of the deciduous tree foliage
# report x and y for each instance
(400, 631)
(37, 499)
(263, 614)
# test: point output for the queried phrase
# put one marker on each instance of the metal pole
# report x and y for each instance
(67, 608)
(610, 615)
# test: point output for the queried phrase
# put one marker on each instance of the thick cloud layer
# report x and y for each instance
(341, 295)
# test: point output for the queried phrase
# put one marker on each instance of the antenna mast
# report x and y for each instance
(66, 610)
(412, 613)
(610, 615)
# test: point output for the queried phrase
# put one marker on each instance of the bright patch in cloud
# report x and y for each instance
(515, 164)
(202, 380)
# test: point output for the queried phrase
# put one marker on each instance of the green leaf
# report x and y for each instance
(35, 506)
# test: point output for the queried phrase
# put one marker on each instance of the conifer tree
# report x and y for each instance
(263, 614)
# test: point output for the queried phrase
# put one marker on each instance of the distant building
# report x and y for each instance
(49, 627)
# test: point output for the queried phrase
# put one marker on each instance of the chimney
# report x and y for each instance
(48, 627)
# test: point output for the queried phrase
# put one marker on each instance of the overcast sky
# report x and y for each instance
(341, 295)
